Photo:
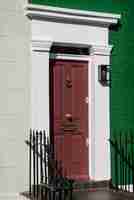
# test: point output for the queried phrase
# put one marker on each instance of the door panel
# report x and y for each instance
(70, 117)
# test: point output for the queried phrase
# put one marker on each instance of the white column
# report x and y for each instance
(40, 84)
(100, 152)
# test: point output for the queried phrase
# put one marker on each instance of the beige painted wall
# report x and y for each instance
(14, 97)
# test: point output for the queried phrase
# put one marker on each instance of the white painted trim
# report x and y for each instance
(69, 57)
(101, 50)
(90, 116)
(71, 15)
(41, 45)
(100, 55)
(40, 89)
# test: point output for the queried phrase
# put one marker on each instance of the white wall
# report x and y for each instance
(14, 97)
(69, 33)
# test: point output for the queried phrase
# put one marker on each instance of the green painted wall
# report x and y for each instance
(122, 89)
(104, 5)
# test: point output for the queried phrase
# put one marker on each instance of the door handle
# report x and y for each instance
(68, 116)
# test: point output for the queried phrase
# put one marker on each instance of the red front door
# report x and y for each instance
(70, 116)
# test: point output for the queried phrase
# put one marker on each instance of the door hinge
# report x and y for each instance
(86, 100)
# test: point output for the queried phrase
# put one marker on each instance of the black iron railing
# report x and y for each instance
(46, 179)
(122, 161)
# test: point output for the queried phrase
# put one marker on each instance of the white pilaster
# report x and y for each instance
(101, 114)
(40, 84)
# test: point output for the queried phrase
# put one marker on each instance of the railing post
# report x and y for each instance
(123, 166)
(116, 163)
(48, 161)
(37, 172)
(130, 162)
(30, 163)
(132, 158)
(34, 164)
(129, 172)
(41, 167)
(45, 165)
(120, 147)
(125, 163)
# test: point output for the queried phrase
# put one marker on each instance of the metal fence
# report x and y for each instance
(122, 161)
(46, 180)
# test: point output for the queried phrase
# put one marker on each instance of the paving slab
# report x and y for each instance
(102, 195)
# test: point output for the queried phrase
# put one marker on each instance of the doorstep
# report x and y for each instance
(87, 186)
(91, 185)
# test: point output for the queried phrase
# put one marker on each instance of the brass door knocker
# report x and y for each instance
(68, 81)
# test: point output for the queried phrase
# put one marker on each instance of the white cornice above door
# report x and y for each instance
(71, 15)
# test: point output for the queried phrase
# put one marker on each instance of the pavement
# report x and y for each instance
(91, 195)
(102, 195)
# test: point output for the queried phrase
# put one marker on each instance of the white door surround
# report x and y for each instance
(50, 26)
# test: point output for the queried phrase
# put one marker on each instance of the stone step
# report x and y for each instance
(91, 185)
(79, 186)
